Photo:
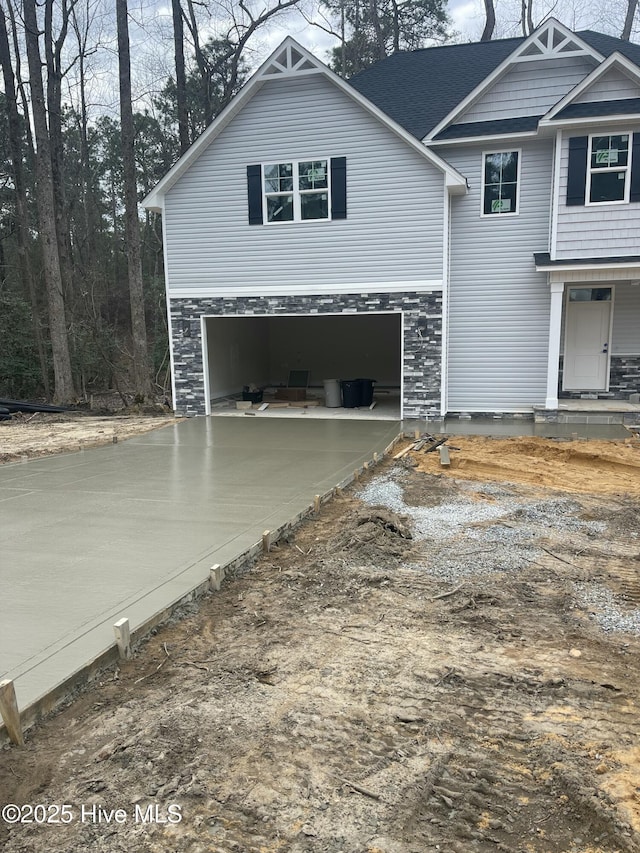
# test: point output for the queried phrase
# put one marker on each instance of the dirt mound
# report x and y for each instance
(374, 535)
(598, 467)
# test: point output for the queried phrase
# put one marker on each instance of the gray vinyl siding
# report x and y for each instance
(498, 303)
(595, 231)
(394, 226)
(612, 86)
(626, 320)
(529, 89)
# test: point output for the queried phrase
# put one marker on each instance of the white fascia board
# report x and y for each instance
(594, 121)
(454, 181)
(427, 286)
(584, 267)
(616, 60)
(504, 66)
(496, 137)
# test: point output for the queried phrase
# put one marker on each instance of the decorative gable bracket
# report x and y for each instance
(287, 63)
(551, 41)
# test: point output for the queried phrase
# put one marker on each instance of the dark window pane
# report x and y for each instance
(279, 208)
(313, 175)
(491, 198)
(590, 294)
(492, 168)
(278, 177)
(314, 206)
(508, 198)
(510, 167)
(607, 186)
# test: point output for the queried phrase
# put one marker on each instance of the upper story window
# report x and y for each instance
(297, 191)
(603, 168)
(500, 191)
(609, 169)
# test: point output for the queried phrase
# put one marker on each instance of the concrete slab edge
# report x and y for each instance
(64, 692)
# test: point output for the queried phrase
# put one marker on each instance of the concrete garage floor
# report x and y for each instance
(124, 530)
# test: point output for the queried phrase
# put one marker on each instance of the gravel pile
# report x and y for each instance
(604, 609)
(469, 536)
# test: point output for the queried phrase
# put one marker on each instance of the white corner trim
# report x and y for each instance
(168, 304)
(444, 366)
(427, 286)
(555, 195)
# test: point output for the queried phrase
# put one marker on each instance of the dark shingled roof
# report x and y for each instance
(626, 106)
(522, 124)
(419, 88)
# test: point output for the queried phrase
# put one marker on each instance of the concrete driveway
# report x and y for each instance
(89, 537)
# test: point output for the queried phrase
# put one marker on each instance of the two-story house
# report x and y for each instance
(460, 222)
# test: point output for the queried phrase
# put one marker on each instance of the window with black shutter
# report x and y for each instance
(297, 191)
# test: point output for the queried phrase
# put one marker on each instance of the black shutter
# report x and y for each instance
(254, 194)
(577, 176)
(634, 195)
(338, 187)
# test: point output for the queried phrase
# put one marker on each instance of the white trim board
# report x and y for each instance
(312, 290)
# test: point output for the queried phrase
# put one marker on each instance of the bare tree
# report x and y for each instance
(64, 390)
(632, 6)
(141, 369)
(181, 77)
(490, 21)
(20, 192)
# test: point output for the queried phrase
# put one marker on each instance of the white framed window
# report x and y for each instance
(608, 168)
(500, 183)
(296, 191)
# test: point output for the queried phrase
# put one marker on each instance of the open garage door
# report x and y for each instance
(264, 350)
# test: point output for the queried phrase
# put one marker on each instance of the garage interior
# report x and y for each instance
(263, 351)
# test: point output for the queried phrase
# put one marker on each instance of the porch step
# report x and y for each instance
(614, 412)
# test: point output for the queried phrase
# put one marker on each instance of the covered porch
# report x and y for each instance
(593, 368)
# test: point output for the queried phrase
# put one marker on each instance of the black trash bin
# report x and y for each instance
(366, 391)
(350, 393)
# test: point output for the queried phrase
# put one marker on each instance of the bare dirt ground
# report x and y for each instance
(28, 436)
(441, 661)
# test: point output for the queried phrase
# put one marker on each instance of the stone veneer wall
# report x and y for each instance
(624, 379)
(422, 355)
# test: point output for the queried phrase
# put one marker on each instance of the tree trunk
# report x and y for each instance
(181, 77)
(64, 391)
(22, 215)
(141, 370)
(629, 18)
(490, 21)
(53, 51)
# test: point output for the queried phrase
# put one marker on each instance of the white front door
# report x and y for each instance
(586, 350)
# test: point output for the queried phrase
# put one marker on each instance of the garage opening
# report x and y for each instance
(272, 353)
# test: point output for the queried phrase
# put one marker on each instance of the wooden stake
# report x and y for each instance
(316, 504)
(10, 713)
(123, 637)
(266, 541)
(375, 457)
(416, 434)
(216, 576)
(356, 474)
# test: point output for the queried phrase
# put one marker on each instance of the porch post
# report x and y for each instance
(555, 324)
